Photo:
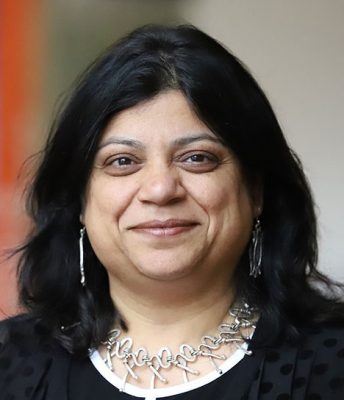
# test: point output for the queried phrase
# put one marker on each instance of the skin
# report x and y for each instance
(158, 162)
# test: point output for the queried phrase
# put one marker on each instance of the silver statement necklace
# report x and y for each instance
(243, 317)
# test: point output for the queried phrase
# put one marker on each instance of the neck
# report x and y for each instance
(163, 337)
(170, 316)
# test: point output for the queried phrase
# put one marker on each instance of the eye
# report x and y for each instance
(122, 165)
(197, 158)
(122, 161)
(199, 162)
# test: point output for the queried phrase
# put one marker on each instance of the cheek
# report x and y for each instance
(229, 210)
(106, 200)
(221, 196)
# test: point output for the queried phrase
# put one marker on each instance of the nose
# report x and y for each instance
(161, 185)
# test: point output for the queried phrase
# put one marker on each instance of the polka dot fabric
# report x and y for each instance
(32, 369)
(311, 371)
(28, 363)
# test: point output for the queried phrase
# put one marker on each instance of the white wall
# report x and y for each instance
(295, 49)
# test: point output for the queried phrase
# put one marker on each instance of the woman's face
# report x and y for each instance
(166, 199)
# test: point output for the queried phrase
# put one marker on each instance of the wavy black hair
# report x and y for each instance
(148, 61)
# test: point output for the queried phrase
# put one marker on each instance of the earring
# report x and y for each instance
(81, 257)
(256, 250)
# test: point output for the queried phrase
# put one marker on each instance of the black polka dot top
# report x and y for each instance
(33, 369)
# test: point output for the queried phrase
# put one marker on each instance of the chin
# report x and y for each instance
(164, 273)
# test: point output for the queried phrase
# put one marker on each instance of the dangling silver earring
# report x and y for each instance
(256, 250)
(81, 257)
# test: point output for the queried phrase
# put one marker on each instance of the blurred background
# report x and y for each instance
(294, 49)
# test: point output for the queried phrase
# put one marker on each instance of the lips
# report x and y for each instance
(170, 227)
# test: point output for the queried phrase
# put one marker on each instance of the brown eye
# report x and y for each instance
(122, 165)
(199, 162)
(198, 158)
(122, 161)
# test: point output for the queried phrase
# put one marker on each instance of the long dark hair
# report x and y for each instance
(225, 96)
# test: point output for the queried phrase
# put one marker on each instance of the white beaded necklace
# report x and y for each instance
(244, 316)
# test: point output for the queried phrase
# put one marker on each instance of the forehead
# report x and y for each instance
(168, 115)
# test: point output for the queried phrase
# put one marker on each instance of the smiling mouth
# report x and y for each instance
(167, 228)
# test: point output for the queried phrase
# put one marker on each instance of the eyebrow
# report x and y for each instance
(183, 141)
(123, 141)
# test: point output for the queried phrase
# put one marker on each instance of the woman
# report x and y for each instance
(174, 247)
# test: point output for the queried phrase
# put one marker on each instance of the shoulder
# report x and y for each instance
(310, 368)
(18, 330)
(320, 362)
(313, 367)
(324, 340)
(321, 344)
(27, 357)
(24, 334)
(324, 345)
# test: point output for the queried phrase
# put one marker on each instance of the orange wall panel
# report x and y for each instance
(19, 59)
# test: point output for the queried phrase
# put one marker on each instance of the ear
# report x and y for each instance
(82, 206)
(257, 193)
